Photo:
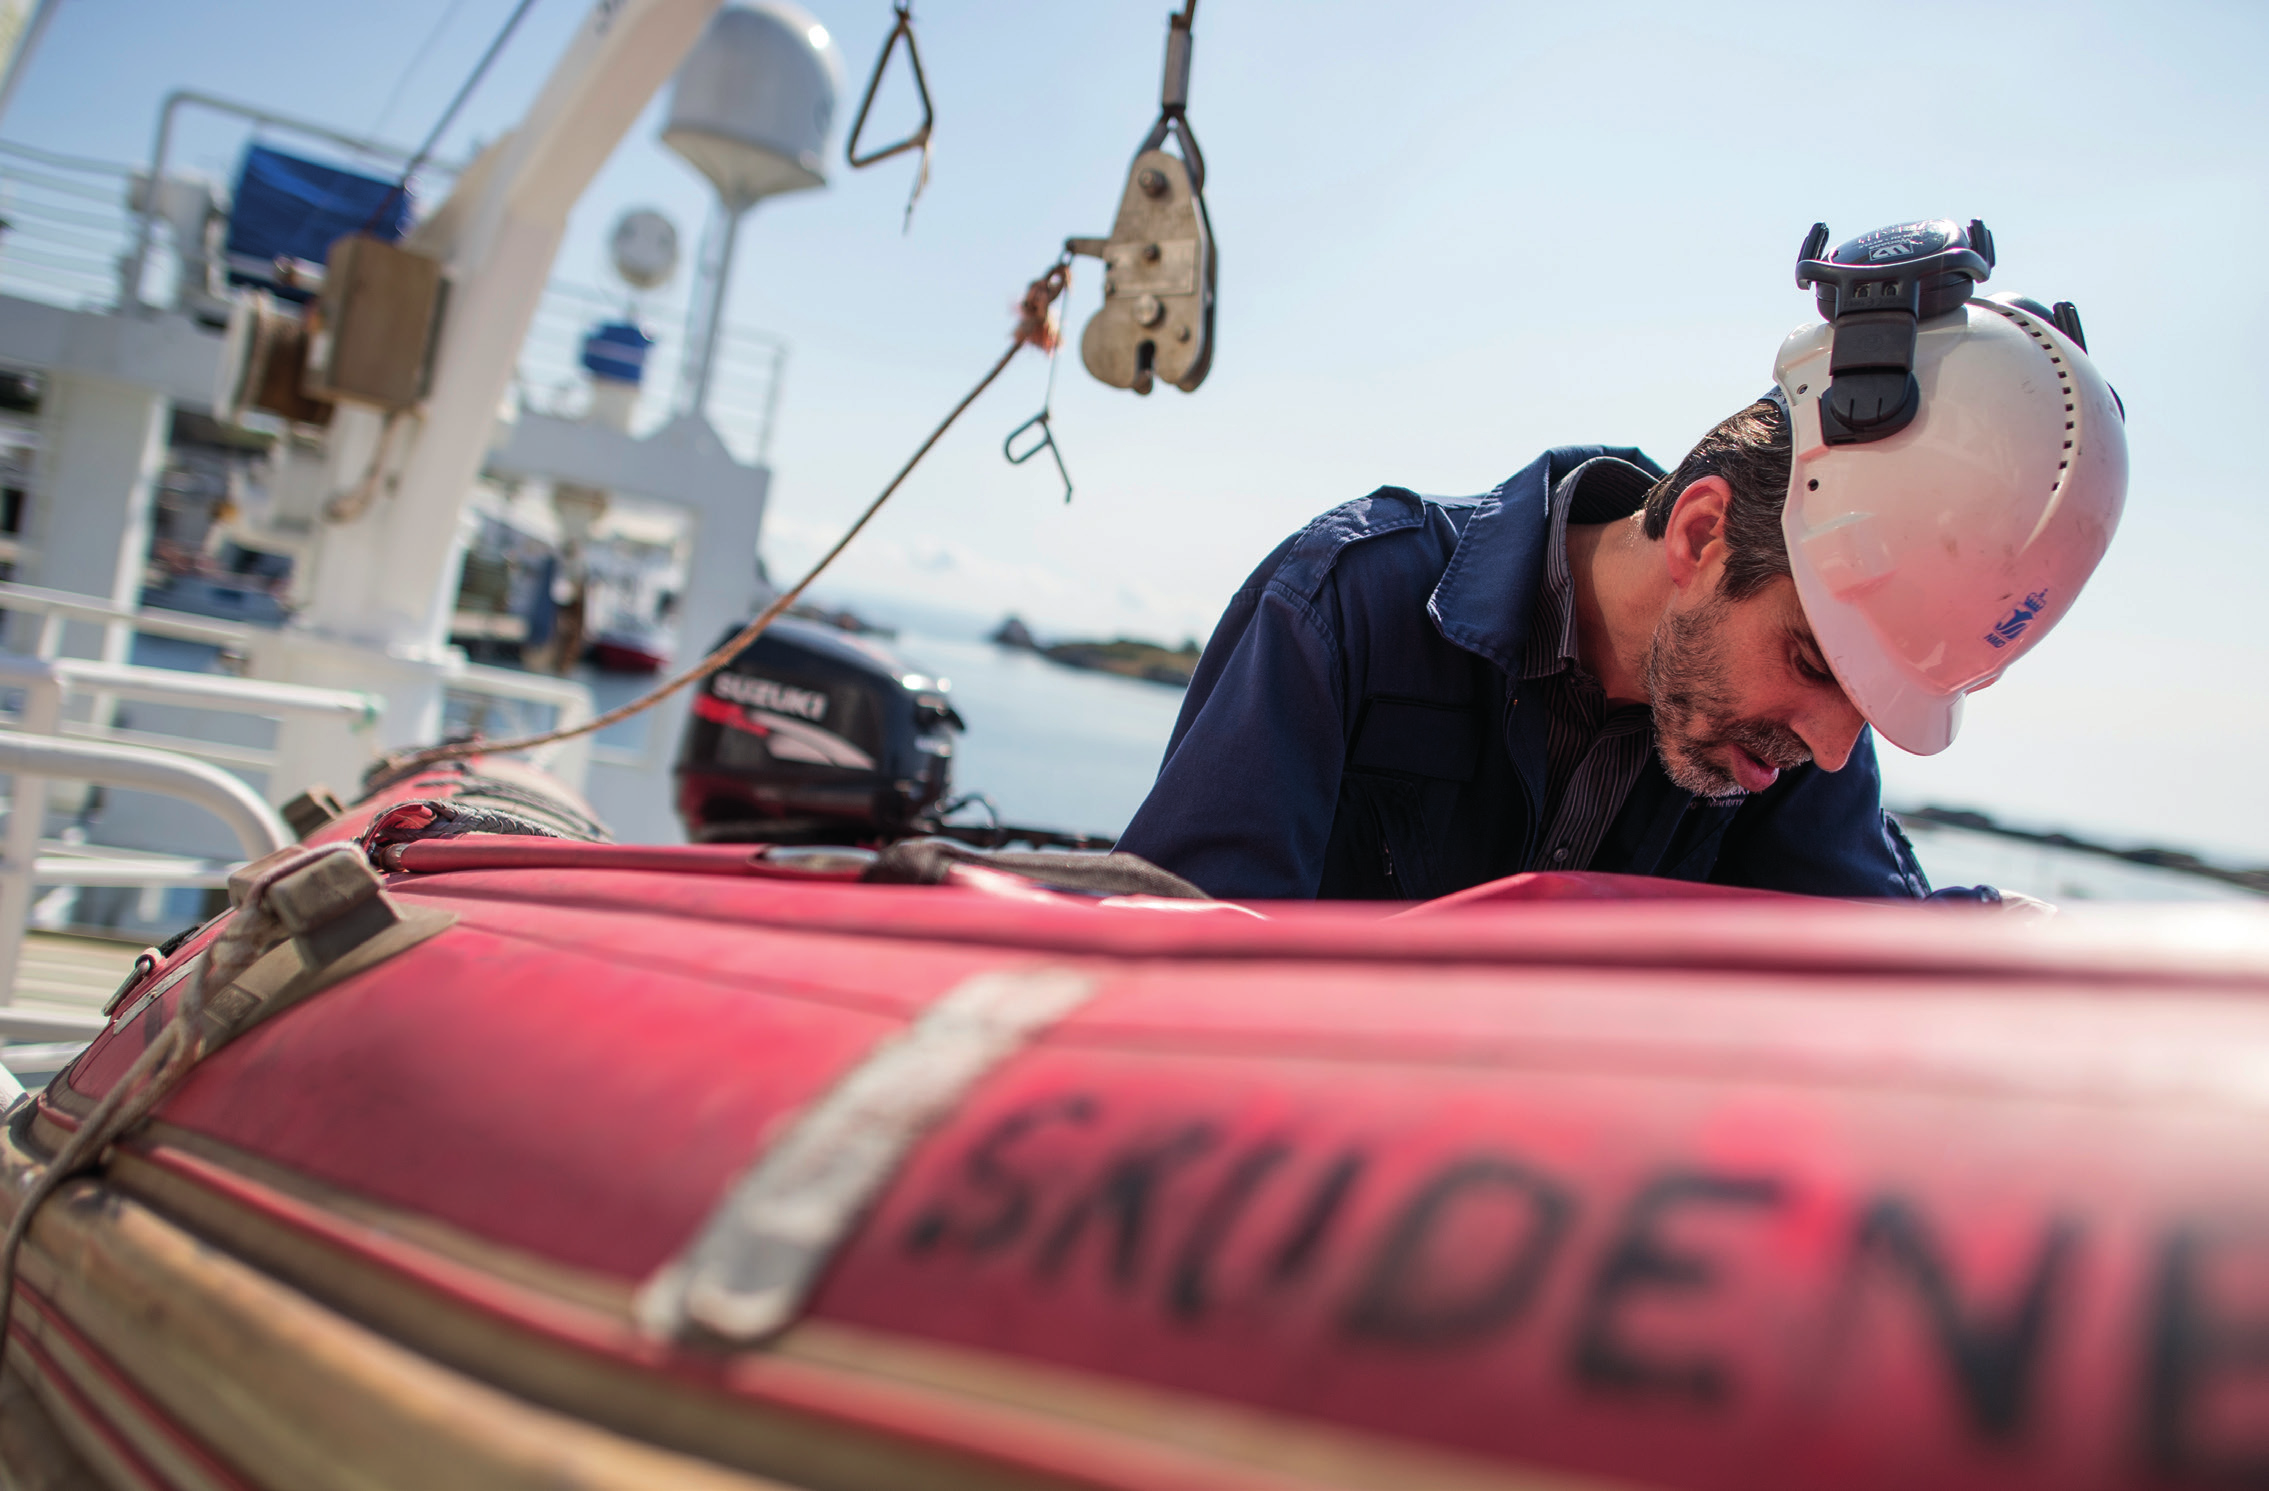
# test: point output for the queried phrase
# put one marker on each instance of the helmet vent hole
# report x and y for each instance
(1812, 485)
(2063, 377)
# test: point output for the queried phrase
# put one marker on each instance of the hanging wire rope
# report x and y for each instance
(1036, 326)
(449, 115)
(449, 13)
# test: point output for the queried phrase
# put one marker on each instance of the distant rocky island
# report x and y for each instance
(1925, 818)
(1126, 656)
(842, 618)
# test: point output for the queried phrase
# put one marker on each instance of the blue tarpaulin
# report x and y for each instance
(296, 209)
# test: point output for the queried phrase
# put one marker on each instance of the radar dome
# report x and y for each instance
(754, 102)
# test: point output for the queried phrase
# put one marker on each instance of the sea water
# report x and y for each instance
(1051, 746)
(1056, 747)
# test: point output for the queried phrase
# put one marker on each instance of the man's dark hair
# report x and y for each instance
(1751, 451)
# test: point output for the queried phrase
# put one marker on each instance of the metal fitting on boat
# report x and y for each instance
(315, 808)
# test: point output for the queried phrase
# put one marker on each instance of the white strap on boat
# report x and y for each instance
(747, 1274)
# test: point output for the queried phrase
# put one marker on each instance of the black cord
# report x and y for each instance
(416, 65)
(449, 115)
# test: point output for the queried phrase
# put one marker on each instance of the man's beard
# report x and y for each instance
(1694, 708)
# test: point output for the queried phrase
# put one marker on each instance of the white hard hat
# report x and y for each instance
(1935, 548)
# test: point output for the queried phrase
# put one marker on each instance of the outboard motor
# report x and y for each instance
(813, 735)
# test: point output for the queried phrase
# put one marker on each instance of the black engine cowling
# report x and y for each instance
(813, 735)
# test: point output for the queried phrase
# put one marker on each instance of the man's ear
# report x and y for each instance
(1693, 545)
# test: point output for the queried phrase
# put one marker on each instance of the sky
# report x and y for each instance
(1452, 235)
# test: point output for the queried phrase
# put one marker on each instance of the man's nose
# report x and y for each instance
(1830, 728)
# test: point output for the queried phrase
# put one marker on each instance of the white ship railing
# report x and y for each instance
(104, 682)
(494, 701)
(35, 755)
(74, 238)
(69, 229)
(744, 392)
(30, 759)
(64, 731)
(42, 749)
(57, 742)
(56, 607)
(262, 122)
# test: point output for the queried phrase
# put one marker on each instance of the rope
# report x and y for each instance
(448, 115)
(247, 938)
(1035, 327)
(416, 65)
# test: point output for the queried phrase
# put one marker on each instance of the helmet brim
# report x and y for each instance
(1904, 711)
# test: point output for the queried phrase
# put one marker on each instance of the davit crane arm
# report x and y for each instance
(387, 577)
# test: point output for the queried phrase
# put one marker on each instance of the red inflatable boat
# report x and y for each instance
(562, 1164)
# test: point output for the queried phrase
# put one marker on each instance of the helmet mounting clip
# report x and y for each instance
(1877, 290)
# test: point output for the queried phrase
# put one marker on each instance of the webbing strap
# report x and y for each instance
(749, 1271)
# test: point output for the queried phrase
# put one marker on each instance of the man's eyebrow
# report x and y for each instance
(1801, 635)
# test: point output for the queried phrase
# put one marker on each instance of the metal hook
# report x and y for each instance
(1046, 442)
(920, 138)
(1041, 328)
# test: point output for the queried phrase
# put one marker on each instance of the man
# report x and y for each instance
(1602, 666)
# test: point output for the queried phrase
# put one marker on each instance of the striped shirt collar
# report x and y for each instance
(1600, 490)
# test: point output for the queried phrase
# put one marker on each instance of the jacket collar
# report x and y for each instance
(1486, 597)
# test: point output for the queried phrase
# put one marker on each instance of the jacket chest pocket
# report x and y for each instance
(1398, 798)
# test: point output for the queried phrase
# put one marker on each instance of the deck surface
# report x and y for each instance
(71, 972)
(62, 973)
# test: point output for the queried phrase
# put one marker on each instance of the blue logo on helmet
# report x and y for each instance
(2014, 626)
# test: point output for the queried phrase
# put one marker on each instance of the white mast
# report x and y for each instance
(381, 585)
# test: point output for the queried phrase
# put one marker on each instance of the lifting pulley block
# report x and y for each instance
(920, 138)
(1159, 267)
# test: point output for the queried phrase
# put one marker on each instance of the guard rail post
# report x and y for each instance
(27, 814)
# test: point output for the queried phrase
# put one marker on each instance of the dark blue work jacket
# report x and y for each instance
(1357, 728)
